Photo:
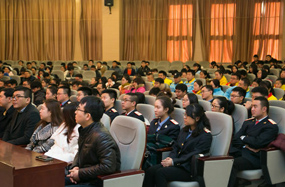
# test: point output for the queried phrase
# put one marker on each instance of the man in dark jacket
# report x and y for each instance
(39, 93)
(6, 102)
(143, 70)
(98, 153)
(24, 118)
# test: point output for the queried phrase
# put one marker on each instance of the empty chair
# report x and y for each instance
(205, 64)
(56, 67)
(205, 104)
(178, 115)
(118, 106)
(277, 103)
(278, 93)
(150, 99)
(106, 121)
(130, 136)
(162, 67)
(88, 74)
(272, 161)
(147, 111)
(228, 77)
(108, 73)
(239, 115)
(59, 73)
(163, 63)
(190, 63)
(177, 63)
(215, 170)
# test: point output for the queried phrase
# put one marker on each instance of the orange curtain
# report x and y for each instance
(91, 29)
(158, 30)
(237, 29)
(37, 30)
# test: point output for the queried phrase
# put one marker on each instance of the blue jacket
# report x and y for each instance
(229, 91)
(218, 91)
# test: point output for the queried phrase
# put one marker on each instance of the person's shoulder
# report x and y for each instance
(173, 121)
(249, 120)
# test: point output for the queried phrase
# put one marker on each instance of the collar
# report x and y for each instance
(63, 103)
(131, 112)
(191, 80)
(261, 119)
(23, 109)
(161, 123)
(270, 94)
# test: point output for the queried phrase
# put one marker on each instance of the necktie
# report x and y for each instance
(256, 122)
(189, 134)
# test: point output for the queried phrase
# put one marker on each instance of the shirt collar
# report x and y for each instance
(21, 111)
(262, 119)
(161, 123)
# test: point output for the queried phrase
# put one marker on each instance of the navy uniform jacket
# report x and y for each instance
(5, 119)
(66, 103)
(256, 136)
(170, 128)
(135, 114)
(184, 149)
(112, 113)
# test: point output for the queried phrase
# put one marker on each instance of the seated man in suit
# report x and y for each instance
(256, 133)
(98, 153)
(109, 98)
(129, 104)
(24, 118)
(6, 102)
(83, 92)
(63, 94)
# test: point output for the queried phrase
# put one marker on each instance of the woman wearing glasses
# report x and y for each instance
(51, 118)
(195, 138)
(66, 136)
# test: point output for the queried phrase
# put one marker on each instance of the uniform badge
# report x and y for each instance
(113, 110)
(174, 122)
(138, 113)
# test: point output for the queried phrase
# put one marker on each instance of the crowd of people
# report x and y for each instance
(38, 113)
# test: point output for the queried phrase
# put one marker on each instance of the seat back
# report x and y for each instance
(118, 106)
(106, 121)
(178, 115)
(205, 64)
(88, 74)
(150, 99)
(277, 115)
(73, 98)
(205, 104)
(239, 115)
(277, 103)
(278, 92)
(108, 73)
(203, 80)
(15, 77)
(117, 91)
(130, 135)
(221, 129)
(59, 73)
(225, 87)
(147, 111)
(148, 85)
(179, 103)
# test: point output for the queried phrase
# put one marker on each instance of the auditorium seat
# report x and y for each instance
(205, 64)
(108, 73)
(190, 63)
(214, 170)
(239, 115)
(73, 92)
(147, 111)
(251, 77)
(277, 103)
(150, 99)
(225, 87)
(88, 74)
(106, 121)
(118, 106)
(59, 73)
(205, 104)
(17, 78)
(272, 160)
(130, 136)
(279, 93)
(179, 103)
(148, 85)
(73, 98)
(272, 78)
(178, 115)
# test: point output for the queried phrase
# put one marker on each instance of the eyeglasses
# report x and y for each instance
(215, 106)
(126, 100)
(185, 100)
(204, 91)
(16, 97)
(235, 96)
(77, 108)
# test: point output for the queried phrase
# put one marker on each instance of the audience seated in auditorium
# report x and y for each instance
(39, 92)
(280, 83)
(129, 70)
(215, 83)
(115, 67)
(26, 84)
(177, 80)
(94, 157)
(244, 84)
(28, 76)
(204, 74)
(194, 138)
(8, 71)
(51, 92)
(162, 74)
(83, 92)
(190, 80)
(238, 95)
(24, 119)
(112, 83)
(51, 119)
(126, 81)
(100, 87)
(207, 93)
(100, 67)
(154, 91)
(6, 103)
(63, 94)
(138, 85)
(180, 90)
(66, 136)
(235, 77)
(267, 84)
(256, 133)
(150, 77)
(109, 98)
(144, 69)
(78, 77)
(12, 83)
(70, 73)
(129, 103)
(189, 98)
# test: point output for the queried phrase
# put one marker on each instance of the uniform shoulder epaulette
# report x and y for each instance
(174, 122)
(271, 121)
(249, 119)
(207, 130)
(113, 110)
(138, 113)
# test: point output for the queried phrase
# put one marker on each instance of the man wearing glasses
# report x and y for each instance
(63, 95)
(129, 104)
(238, 95)
(24, 118)
(98, 153)
(207, 93)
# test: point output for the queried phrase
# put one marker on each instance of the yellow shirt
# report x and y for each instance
(272, 97)
(223, 81)
(167, 81)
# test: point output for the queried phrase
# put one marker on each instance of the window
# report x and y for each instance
(180, 33)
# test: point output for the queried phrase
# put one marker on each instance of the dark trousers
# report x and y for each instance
(68, 183)
(240, 164)
(159, 176)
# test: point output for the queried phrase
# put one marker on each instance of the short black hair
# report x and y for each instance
(86, 90)
(237, 75)
(75, 83)
(209, 88)
(79, 75)
(181, 87)
(191, 71)
(262, 90)
(52, 89)
(240, 91)
(12, 81)
(246, 81)
(66, 90)
(242, 72)
(8, 92)
(216, 82)
(154, 91)
(112, 93)
(27, 91)
(133, 97)
(160, 80)
(93, 105)
(263, 102)
(36, 84)
(163, 72)
(256, 56)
